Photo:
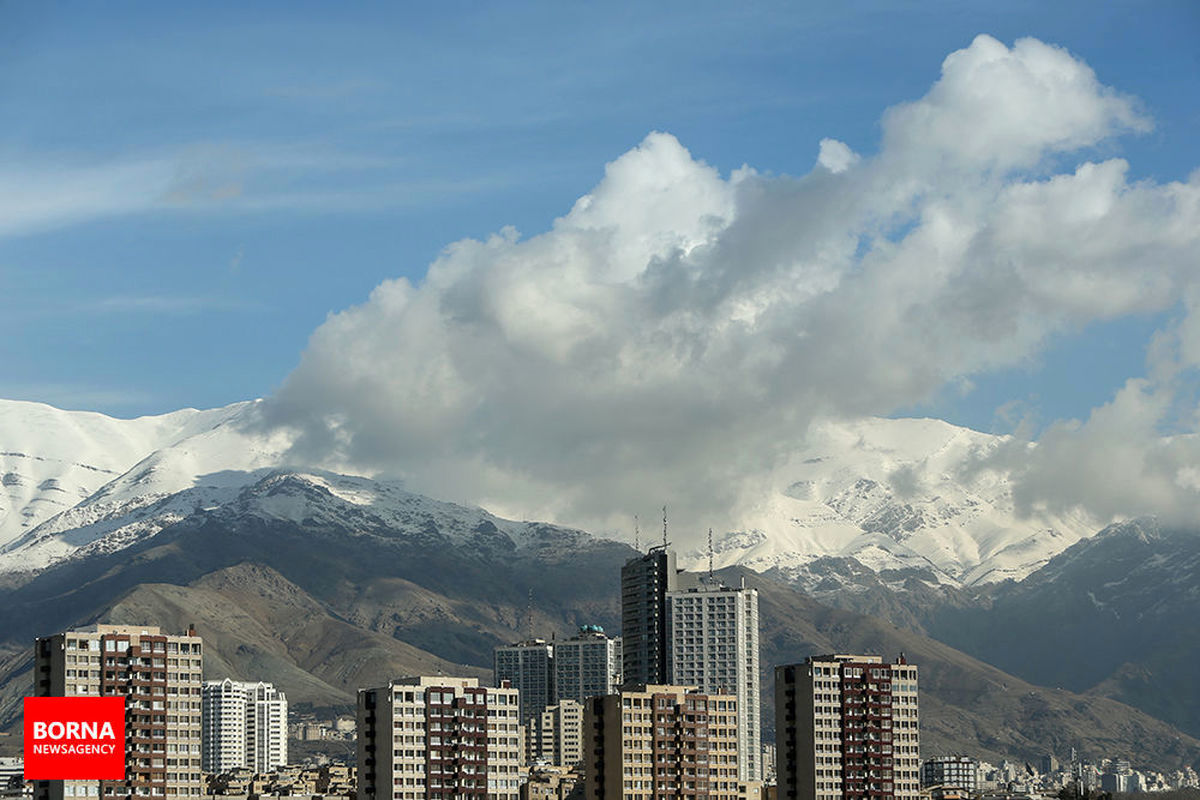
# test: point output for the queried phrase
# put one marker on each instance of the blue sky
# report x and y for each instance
(188, 192)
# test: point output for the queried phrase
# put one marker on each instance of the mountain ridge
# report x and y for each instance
(893, 494)
(295, 578)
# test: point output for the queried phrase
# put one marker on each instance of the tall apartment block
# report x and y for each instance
(645, 582)
(555, 736)
(159, 676)
(245, 725)
(846, 726)
(653, 742)
(440, 738)
(527, 666)
(587, 665)
(713, 644)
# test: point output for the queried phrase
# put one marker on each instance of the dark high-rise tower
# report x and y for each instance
(645, 582)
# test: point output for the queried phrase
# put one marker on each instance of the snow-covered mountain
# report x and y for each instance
(51, 460)
(888, 494)
(897, 494)
(78, 481)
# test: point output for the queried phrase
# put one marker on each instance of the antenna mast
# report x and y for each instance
(664, 527)
(637, 540)
(529, 613)
(710, 555)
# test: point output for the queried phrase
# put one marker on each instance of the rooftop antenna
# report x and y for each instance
(664, 527)
(637, 541)
(710, 555)
(529, 613)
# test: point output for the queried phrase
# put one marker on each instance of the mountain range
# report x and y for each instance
(883, 541)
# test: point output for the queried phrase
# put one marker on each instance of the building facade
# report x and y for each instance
(958, 772)
(244, 725)
(645, 582)
(847, 727)
(527, 666)
(438, 737)
(555, 737)
(712, 634)
(657, 741)
(159, 676)
(587, 665)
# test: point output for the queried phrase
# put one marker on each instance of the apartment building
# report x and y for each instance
(658, 741)
(527, 666)
(555, 737)
(957, 772)
(645, 581)
(847, 726)
(586, 665)
(438, 737)
(244, 725)
(712, 637)
(159, 675)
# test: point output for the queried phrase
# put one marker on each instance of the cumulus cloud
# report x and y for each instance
(836, 156)
(673, 335)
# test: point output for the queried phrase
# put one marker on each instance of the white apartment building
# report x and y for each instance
(245, 725)
(712, 633)
(439, 737)
(586, 665)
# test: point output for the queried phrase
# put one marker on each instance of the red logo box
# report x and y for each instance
(74, 738)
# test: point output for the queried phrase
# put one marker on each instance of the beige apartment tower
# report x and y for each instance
(847, 727)
(159, 676)
(654, 742)
(555, 737)
(438, 737)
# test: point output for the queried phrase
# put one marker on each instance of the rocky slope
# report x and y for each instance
(329, 582)
(1113, 615)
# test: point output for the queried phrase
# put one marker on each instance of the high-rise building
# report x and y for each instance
(159, 676)
(586, 665)
(712, 635)
(438, 737)
(846, 726)
(245, 725)
(645, 582)
(954, 772)
(527, 666)
(652, 742)
(556, 735)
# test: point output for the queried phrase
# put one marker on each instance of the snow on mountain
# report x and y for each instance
(165, 469)
(890, 494)
(371, 507)
(50, 459)
(895, 494)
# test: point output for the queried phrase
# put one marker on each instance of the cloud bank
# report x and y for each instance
(672, 337)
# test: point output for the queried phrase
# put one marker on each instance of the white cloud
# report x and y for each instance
(836, 156)
(40, 192)
(671, 338)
